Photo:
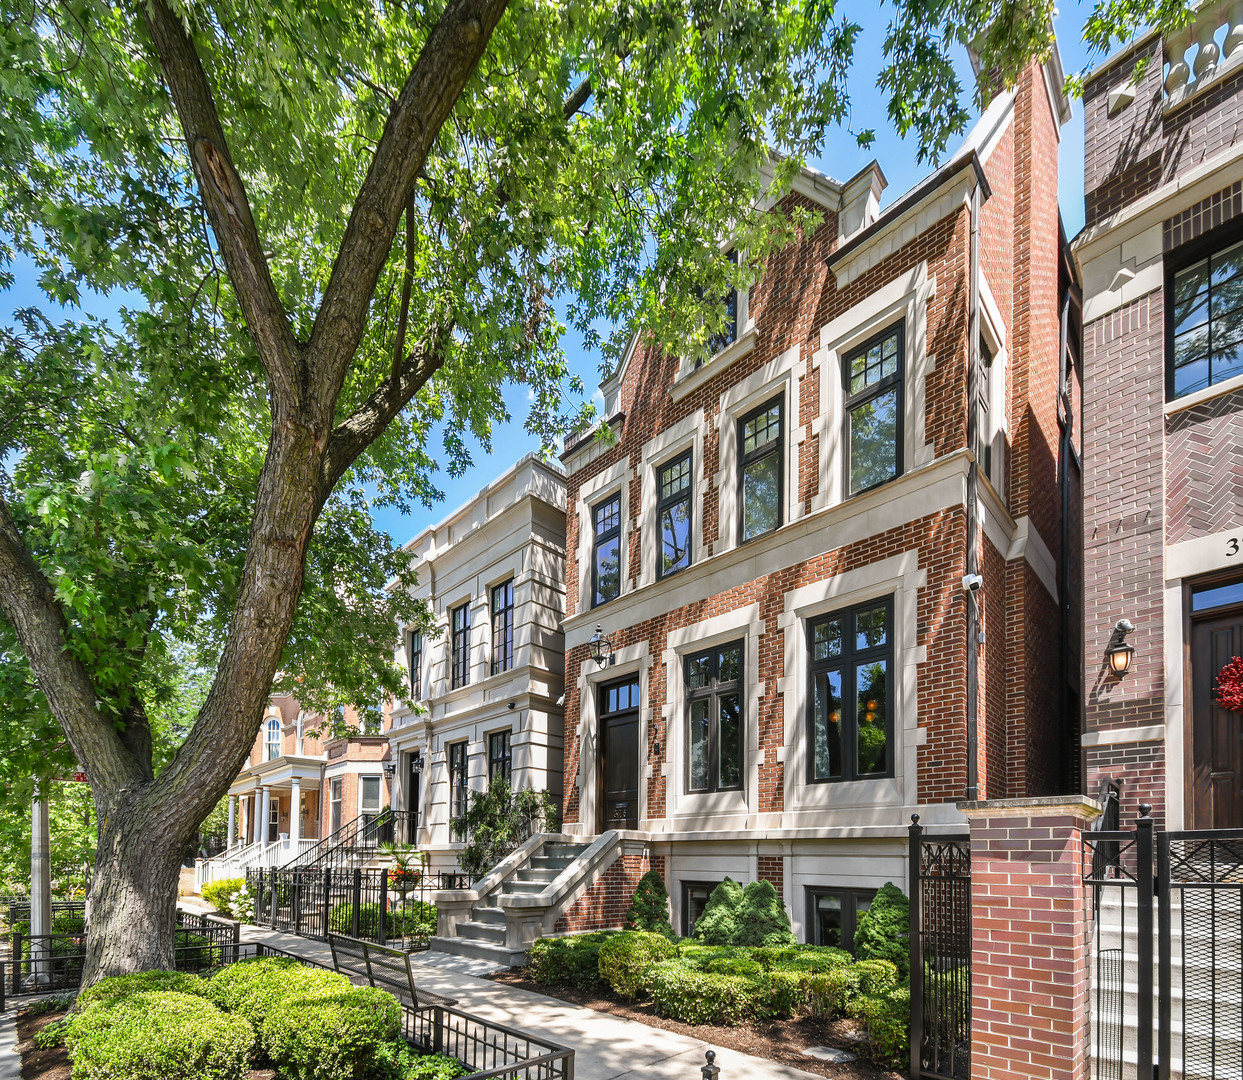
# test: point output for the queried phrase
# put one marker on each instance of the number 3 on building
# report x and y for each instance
(1232, 546)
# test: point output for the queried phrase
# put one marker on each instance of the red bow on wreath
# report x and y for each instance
(1229, 691)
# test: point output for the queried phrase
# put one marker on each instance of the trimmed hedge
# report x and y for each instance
(830, 993)
(888, 1019)
(217, 893)
(397, 1060)
(330, 1037)
(683, 992)
(567, 961)
(159, 1035)
(117, 987)
(253, 988)
(624, 960)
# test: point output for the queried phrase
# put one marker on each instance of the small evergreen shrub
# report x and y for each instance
(761, 917)
(718, 925)
(330, 1037)
(217, 893)
(567, 961)
(252, 988)
(649, 910)
(787, 992)
(116, 987)
(683, 992)
(829, 993)
(884, 930)
(876, 977)
(888, 1019)
(625, 959)
(164, 1035)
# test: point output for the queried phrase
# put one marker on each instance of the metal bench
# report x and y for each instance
(382, 967)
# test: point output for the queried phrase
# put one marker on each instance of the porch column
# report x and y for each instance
(295, 821)
(265, 813)
(1030, 963)
(232, 821)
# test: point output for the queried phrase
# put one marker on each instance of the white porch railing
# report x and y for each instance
(236, 861)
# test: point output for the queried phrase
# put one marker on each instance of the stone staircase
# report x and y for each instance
(522, 898)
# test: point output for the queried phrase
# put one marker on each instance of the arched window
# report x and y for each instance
(274, 738)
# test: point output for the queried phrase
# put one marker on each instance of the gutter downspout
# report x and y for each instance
(1066, 421)
(972, 498)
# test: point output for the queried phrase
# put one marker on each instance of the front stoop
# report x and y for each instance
(523, 897)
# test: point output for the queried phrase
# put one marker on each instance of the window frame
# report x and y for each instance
(847, 662)
(850, 402)
(415, 664)
(336, 805)
(712, 692)
(773, 446)
(984, 433)
(502, 763)
(273, 726)
(503, 636)
(850, 897)
(597, 539)
(1179, 259)
(728, 335)
(687, 495)
(459, 781)
(379, 792)
(459, 647)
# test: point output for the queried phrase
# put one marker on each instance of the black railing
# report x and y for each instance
(940, 907)
(357, 839)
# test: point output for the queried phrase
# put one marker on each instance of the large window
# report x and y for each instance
(606, 550)
(851, 672)
(460, 660)
(673, 515)
(500, 758)
(503, 627)
(873, 375)
(368, 798)
(1206, 322)
(760, 470)
(273, 739)
(833, 915)
(714, 718)
(416, 664)
(457, 784)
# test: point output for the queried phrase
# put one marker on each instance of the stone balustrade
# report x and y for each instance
(1193, 54)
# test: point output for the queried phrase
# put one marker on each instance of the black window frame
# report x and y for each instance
(415, 645)
(457, 762)
(1214, 242)
(728, 334)
(500, 762)
(847, 661)
(599, 538)
(984, 435)
(712, 692)
(874, 390)
(665, 502)
(459, 644)
(850, 897)
(503, 628)
(688, 925)
(773, 446)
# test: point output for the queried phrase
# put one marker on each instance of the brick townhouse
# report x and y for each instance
(1162, 275)
(779, 547)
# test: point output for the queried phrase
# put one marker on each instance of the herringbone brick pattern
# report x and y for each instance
(1204, 467)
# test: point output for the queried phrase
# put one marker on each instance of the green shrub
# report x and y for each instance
(649, 910)
(683, 992)
(165, 1035)
(398, 1060)
(53, 1034)
(761, 918)
(884, 930)
(700, 955)
(252, 988)
(417, 920)
(829, 993)
(567, 961)
(217, 893)
(625, 958)
(888, 1019)
(331, 1037)
(718, 925)
(813, 959)
(734, 965)
(117, 987)
(876, 976)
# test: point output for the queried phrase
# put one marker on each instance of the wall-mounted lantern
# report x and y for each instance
(601, 648)
(1120, 651)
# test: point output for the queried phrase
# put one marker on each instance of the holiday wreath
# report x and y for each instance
(1229, 692)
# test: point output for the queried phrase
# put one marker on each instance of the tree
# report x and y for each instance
(187, 471)
(649, 908)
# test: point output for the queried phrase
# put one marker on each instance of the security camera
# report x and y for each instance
(972, 583)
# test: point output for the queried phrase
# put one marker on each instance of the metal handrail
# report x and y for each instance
(363, 833)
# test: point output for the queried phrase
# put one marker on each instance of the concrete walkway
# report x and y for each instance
(10, 1062)
(606, 1047)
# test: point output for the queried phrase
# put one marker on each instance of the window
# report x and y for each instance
(694, 899)
(851, 661)
(457, 784)
(274, 738)
(728, 333)
(673, 515)
(873, 377)
(370, 722)
(334, 804)
(416, 665)
(760, 470)
(503, 627)
(984, 421)
(274, 819)
(833, 914)
(606, 557)
(368, 797)
(460, 661)
(1206, 322)
(500, 760)
(714, 718)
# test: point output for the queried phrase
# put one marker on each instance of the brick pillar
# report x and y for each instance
(1029, 951)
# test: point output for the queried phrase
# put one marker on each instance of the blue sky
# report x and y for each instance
(842, 159)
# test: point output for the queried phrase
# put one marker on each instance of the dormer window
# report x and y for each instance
(728, 333)
(273, 739)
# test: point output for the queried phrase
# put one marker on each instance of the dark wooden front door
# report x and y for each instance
(1217, 735)
(619, 755)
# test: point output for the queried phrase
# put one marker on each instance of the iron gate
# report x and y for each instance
(940, 904)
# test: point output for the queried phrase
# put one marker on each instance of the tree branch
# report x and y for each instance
(224, 195)
(447, 60)
(29, 602)
(579, 98)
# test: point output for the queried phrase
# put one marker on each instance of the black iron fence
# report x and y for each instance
(940, 906)
(1167, 951)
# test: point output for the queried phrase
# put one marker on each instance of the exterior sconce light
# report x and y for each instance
(601, 648)
(416, 761)
(389, 769)
(1118, 650)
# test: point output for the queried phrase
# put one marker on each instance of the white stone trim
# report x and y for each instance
(1124, 736)
(905, 298)
(1203, 555)
(1190, 401)
(901, 577)
(615, 478)
(686, 433)
(1177, 718)
(1030, 545)
(690, 379)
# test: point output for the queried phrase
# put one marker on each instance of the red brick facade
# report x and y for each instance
(604, 905)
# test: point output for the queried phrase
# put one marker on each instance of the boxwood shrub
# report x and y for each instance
(567, 961)
(159, 1035)
(888, 1019)
(625, 959)
(876, 977)
(217, 893)
(116, 987)
(683, 992)
(830, 993)
(252, 988)
(331, 1037)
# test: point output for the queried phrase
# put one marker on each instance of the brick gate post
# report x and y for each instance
(1029, 950)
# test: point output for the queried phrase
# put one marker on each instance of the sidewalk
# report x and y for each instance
(606, 1047)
